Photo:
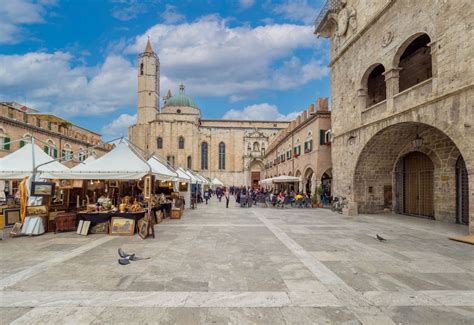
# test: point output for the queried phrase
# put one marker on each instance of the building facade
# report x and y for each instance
(303, 150)
(402, 75)
(57, 136)
(230, 150)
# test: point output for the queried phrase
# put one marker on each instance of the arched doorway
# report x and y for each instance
(326, 181)
(256, 168)
(410, 168)
(462, 192)
(414, 185)
(308, 181)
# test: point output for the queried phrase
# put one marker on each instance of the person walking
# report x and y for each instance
(206, 196)
(226, 195)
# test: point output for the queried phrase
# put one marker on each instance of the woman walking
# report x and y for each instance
(226, 195)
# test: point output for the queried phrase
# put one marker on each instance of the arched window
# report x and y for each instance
(256, 146)
(222, 155)
(66, 153)
(50, 149)
(81, 155)
(159, 143)
(181, 143)
(190, 162)
(141, 69)
(204, 153)
(375, 84)
(4, 140)
(415, 63)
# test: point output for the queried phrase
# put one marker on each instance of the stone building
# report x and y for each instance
(230, 150)
(402, 76)
(304, 149)
(59, 137)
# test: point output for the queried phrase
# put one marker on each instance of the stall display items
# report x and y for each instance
(83, 228)
(176, 213)
(42, 189)
(16, 230)
(100, 228)
(12, 216)
(122, 226)
(143, 228)
(65, 222)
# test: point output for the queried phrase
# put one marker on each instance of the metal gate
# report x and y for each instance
(414, 191)
(462, 192)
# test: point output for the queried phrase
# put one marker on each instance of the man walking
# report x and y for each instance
(226, 195)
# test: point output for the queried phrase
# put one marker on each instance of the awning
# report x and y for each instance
(20, 164)
(121, 163)
(161, 170)
(183, 177)
(279, 179)
(217, 182)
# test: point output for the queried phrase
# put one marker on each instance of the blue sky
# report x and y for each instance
(237, 58)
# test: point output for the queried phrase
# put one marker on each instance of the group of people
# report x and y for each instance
(220, 192)
(249, 196)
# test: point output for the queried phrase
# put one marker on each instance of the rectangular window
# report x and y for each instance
(322, 137)
(5, 143)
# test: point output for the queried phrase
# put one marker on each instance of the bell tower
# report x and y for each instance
(148, 85)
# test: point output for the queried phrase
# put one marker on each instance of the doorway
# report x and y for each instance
(255, 179)
(415, 185)
(462, 192)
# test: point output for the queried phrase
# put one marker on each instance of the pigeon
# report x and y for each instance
(380, 238)
(130, 257)
(124, 261)
(122, 254)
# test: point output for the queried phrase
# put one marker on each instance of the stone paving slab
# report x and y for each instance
(245, 266)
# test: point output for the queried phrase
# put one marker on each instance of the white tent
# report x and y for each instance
(183, 176)
(121, 163)
(161, 170)
(82, 165)
(217, 182)
(285, 179)
(279, 179)
(21, 163)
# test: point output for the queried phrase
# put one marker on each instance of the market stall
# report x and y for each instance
(184, 186)
(30, 198)
(217, 183)
(282, 182)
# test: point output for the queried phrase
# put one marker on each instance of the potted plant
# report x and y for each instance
(315, 200)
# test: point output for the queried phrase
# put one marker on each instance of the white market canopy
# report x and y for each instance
(217, 182)
(162, 171)
(82, 165)
(121, 163)
(182, 175)
(20, 163)
(280, 179)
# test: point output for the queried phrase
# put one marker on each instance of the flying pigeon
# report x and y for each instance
(380, 238)
(124, 261)
(122, 254)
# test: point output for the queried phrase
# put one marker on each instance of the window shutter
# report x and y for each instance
(63, 154)
(6, 143)
(321, 137)
(55, 153)
(22, 143)
(45, 149)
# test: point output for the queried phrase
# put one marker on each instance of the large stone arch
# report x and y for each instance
(375, 177)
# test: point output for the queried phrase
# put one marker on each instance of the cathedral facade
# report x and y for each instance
(231, 150)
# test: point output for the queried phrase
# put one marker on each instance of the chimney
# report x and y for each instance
(304, 115)
(322, 104)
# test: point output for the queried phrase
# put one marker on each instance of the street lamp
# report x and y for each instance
(418, 142)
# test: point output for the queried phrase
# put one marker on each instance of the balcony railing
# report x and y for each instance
(329, 7)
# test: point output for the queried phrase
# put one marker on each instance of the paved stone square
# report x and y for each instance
(245, 266)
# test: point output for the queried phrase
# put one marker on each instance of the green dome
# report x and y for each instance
(181, 100)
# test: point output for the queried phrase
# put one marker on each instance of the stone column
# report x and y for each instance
(313, 184)
(392, 86)
(434, 65)
(362, 95)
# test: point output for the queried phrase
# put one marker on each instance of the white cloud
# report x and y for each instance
(245, 4)
(127, 9)
(262, 111)
(119, 126)
(297, 10)
(50, 82)
(213, 59)
(171, 15)
(16, 13)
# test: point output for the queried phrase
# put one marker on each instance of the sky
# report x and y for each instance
(239, 59)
